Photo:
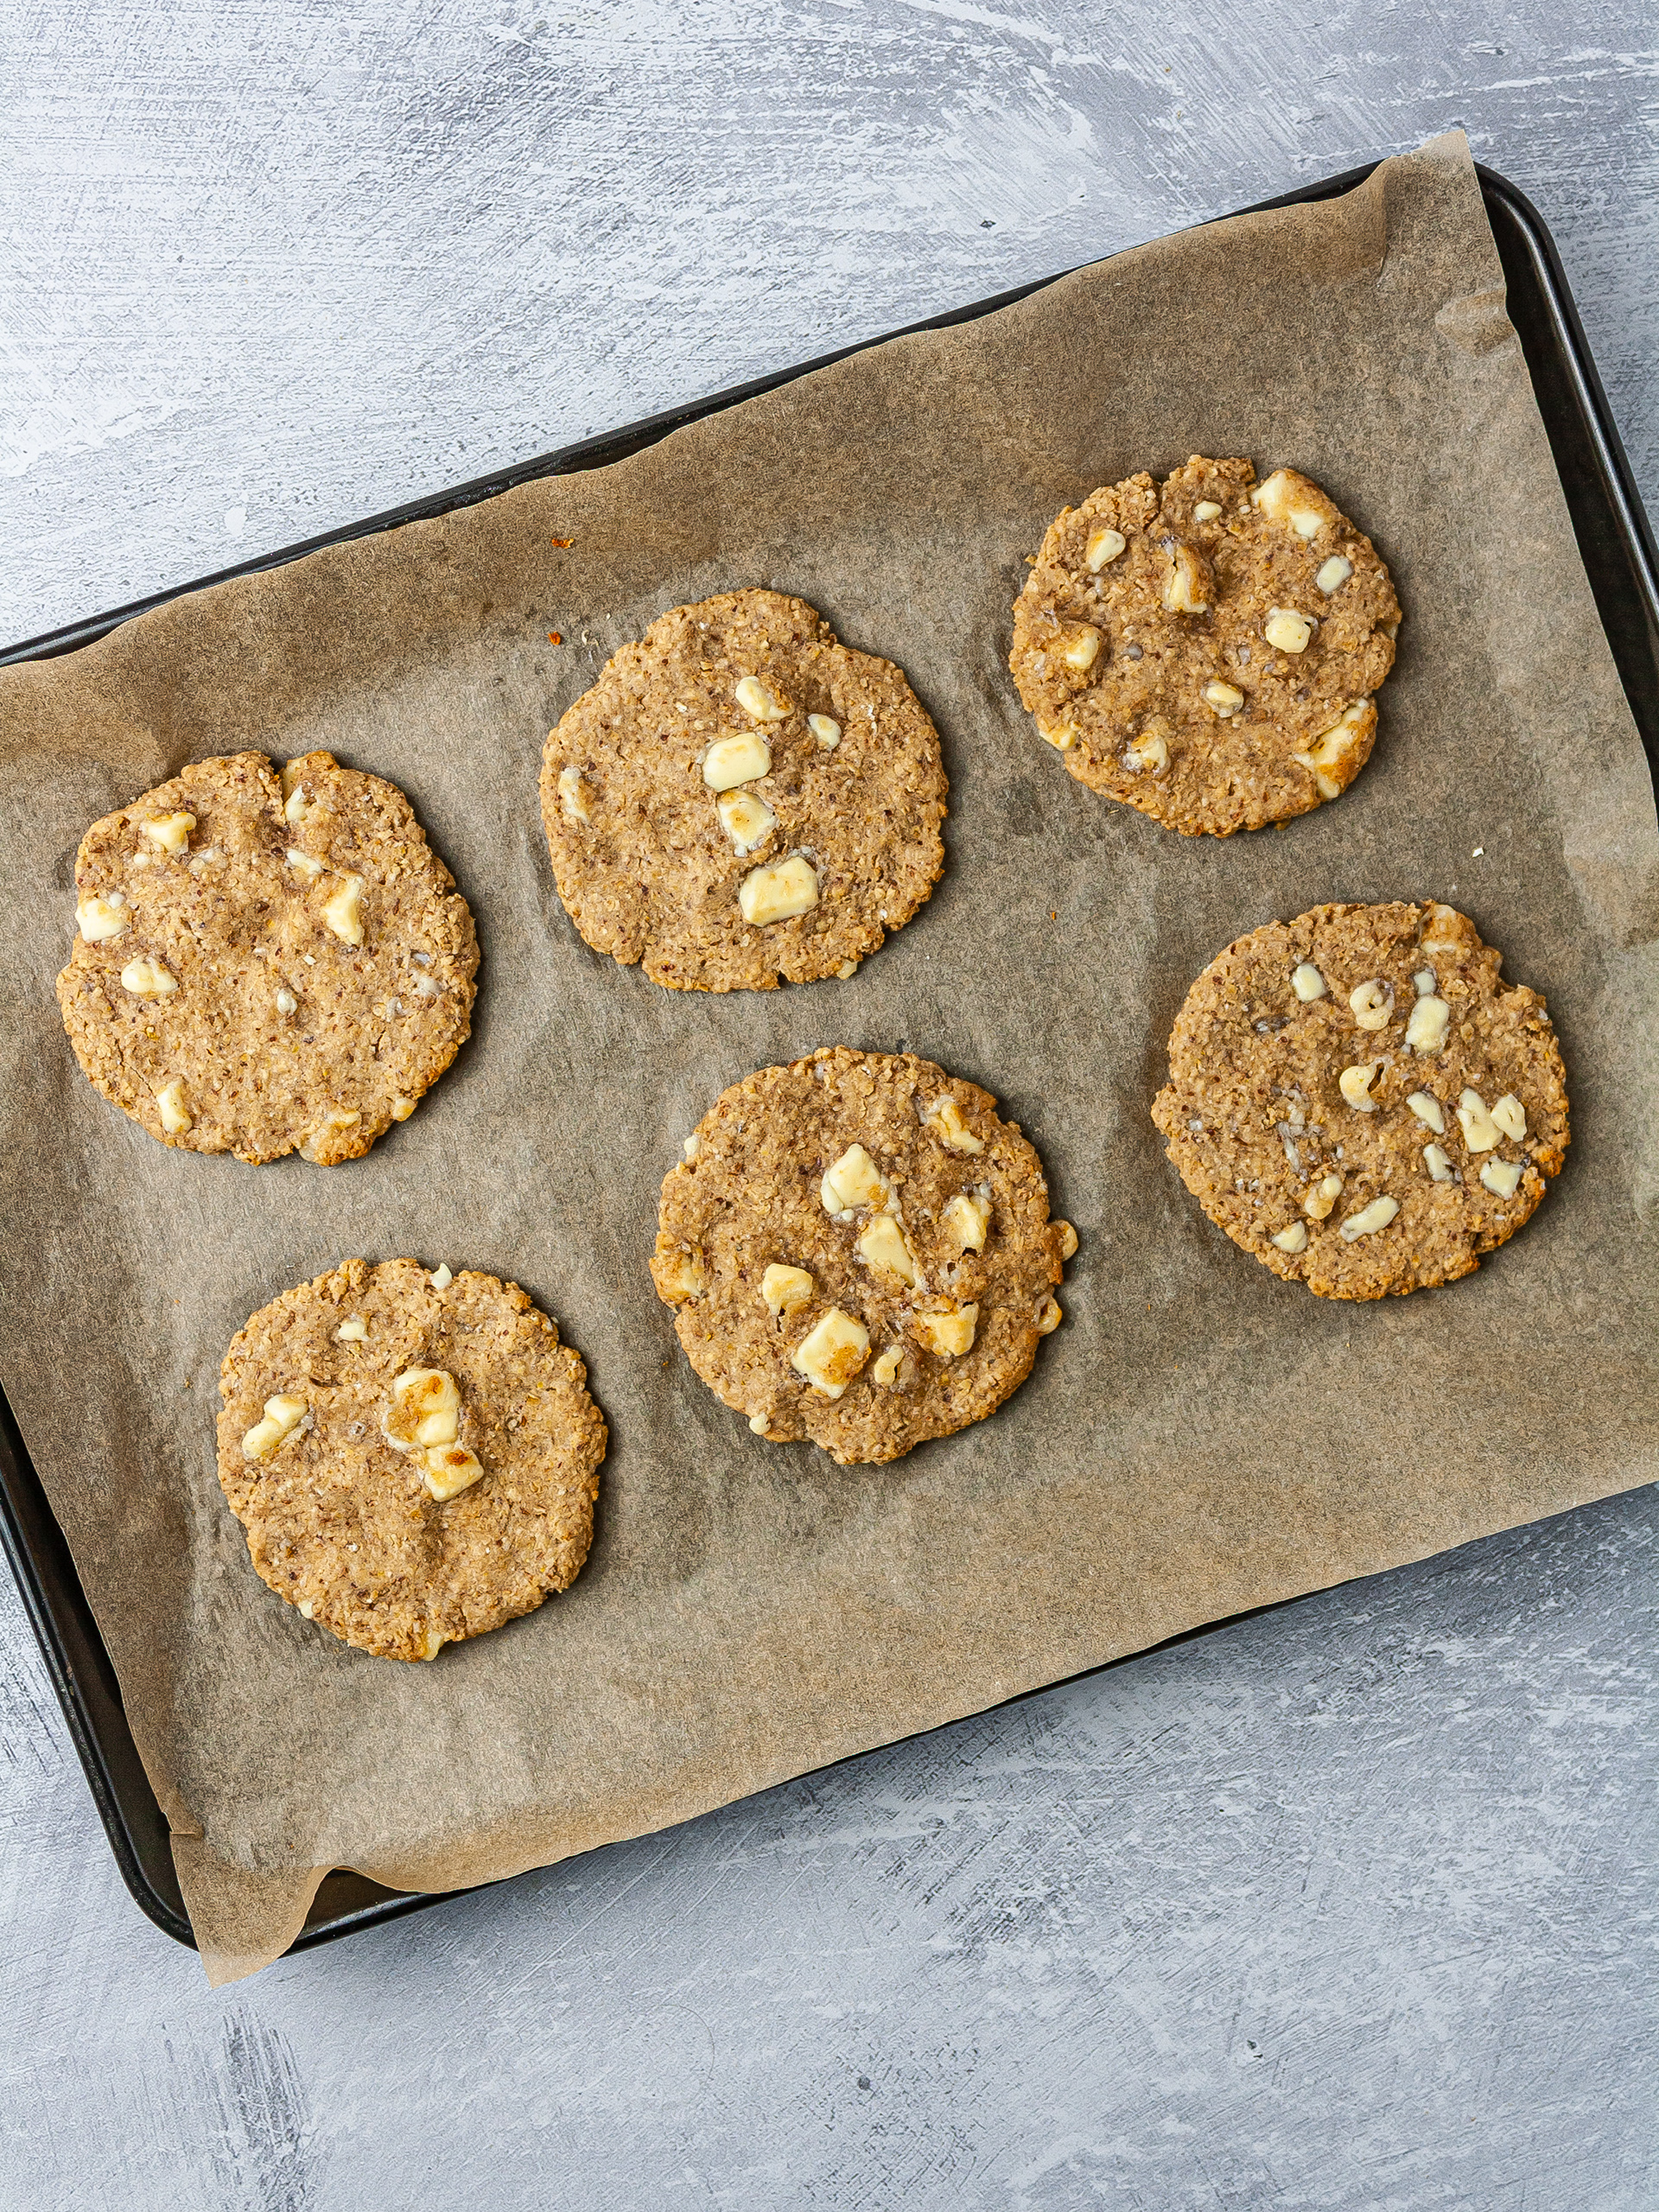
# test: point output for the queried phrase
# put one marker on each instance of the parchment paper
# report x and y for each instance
(1199, 1437)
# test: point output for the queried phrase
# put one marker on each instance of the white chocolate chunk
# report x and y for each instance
(99, 918)
(753, 696)
(1293, 1239)
(679, 1275)
(1333, 573)
(1355, 1085)
(950, 1333)
(773, 894)
(283, 1415)
(827, 731)
(177, 1117)
(784, 1288)
(1424, 982)
(832, 1354)
(1049, 1315)
(434, 1641)
(353, 1329)
(882, 1247)
(1082, 647)
(343, 912)
(944, 1120)
(149, 979)
(1186, 588)
(847, 970)
(170, 831)
(1206, 510)
(449, 1468)
(1510, 1116)
(1426, 1108)
(306, 1610)
(1286, 631)
(885, 1370)
(297, 805)
(1319, 1200)
(1060, 736)
(854, 1180)
(1372, 1004)
(1440, 1167)
(691, 1145)
(338, 1119)
(423, 1408)
(575, 800)
(403, 1108)
(1480, 1132)
(1307, 983)
(966, 1220)
(758, 1424)
(739, 760)
(1068, 1239)
(302, 864)
(286, 1001)
(1103, 548)
(1369, 1219)
(747, 819)
(1225, 698)
(1284, 497)
(1502, 1177)
(442, 1278)
(1426, 1030)
(1448, 934)
(1150, 750)
(1333, 748)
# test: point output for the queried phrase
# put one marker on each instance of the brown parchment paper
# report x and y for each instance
(1198, 1438)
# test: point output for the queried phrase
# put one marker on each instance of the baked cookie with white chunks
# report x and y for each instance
(412, 1455)
(1358, 1098)
(858, 1251)
(266, 960)
(1208, 648)
(741, 800)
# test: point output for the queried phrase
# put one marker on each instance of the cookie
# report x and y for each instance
(1356, 1099)
(742, 801)
(412, 1455)
(858, 1251)
(1206, 651)
(267, 961)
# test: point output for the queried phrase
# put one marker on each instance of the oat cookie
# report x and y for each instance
(1357, 1099)
(741, 800)
(858, 1251)
(412, 1455)
(1206, 651)
(266, 960)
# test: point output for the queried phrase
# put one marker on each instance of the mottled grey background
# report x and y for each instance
(1348, 1906)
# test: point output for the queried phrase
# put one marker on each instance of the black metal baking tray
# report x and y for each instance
(1618, 551)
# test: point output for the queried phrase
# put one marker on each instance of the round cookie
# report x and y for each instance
(1206, 651)
(267, 961)
(1356, 1099)
(741, 800)
(412, 1455)
(858, 1251)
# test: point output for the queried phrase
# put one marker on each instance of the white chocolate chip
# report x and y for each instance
(286, 1001)
(1427, 1027)
(170, 831)
(882, 1247)
(885, 1370)
(442, 1277)
(755, 699)
(679, 1275)
(739, 760)
(149, 979)
(745, 818)
(1372, 1004)
(1440, 1167)
(1225, 698)
(1294, 1239)
(1333, 748)
(433, 1641)
(333, 1123)
(177, 1117)
(1355, 1085)
(302, 864)
(1319, 1200)
(449, 1468)
(1369, 1219)
(575, 800)
(99, 918)
(784, 1288)
(1284, 497)
(1448, 934)
(1082, 647)
(966, 1220)
(1480, 1132)
(1333, 573)
(773, 894)
(691, 1145)
(1206, 510)
(305, 1610)
(1068, 1239)
(1424, 982)
(1426, 1108)
(950, 1333)
(944, 1120)
(283, 1415)
(403, 1108)
(1307, 983)
(354, 1330)
(758, 1424)
(847, 970)
(1049, 1315)
(826, 729)
(1060, 736)
(1286, 631)
(1502, 1177)
(1187, 589)
(1510, 1116)
(1150, 750)
(424, 1408)
(832, 1354)
(343, 912)
(297, 806)
(1103, 548)
(854, 1180)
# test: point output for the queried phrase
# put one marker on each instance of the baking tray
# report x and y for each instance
(1619, 555)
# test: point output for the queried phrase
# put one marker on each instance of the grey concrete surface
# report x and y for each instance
(1349, 1905)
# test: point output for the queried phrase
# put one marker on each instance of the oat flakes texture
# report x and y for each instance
(1197, 1436)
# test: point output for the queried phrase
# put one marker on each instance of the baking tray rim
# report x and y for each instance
(54, 1601)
